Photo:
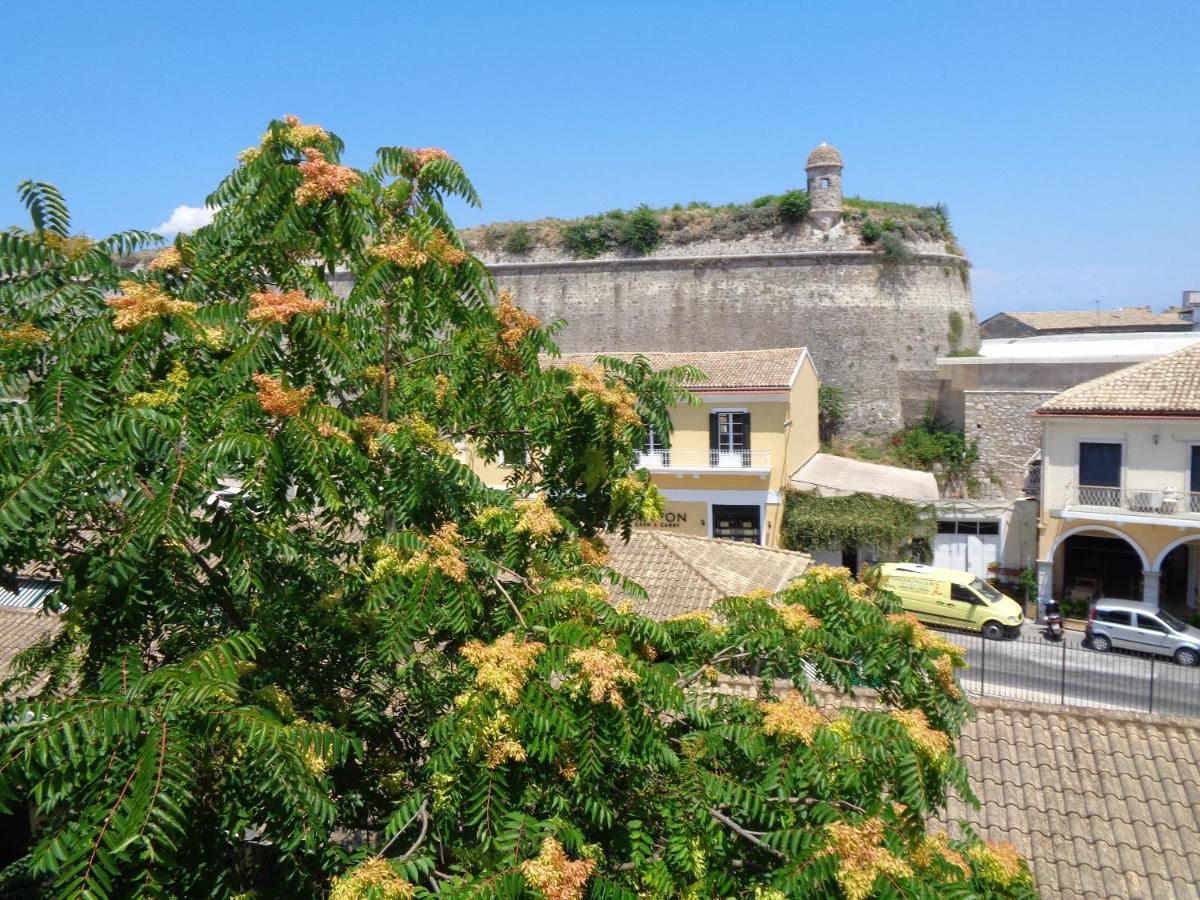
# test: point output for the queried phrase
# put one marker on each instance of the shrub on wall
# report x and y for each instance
(519, 241)
(794, 206)
(831, 410)
(639, 230)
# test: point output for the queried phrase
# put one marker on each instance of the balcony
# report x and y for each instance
(1149, 505)
(693, 461)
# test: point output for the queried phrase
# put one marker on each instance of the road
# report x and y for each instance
(1033, 668)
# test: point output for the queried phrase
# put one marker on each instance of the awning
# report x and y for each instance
(837, 476)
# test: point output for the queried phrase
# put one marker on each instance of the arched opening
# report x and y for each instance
(1179, 577)
(1097, 562)
(824, 182)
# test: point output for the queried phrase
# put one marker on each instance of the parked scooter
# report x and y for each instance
(1054, 620)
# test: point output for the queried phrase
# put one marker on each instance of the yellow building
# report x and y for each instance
(1120, 492)
(729, 460)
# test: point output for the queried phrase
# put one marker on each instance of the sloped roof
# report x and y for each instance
(724, 369)
(1082, 319)
(1168, 386)
(836, 476)
(1102, 803)
(683, 573)
(21, 628)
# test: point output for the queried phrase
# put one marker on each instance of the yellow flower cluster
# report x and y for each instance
(372, 427)
(167, 261)
(443, 552)
(572, 585)
(588, 381)
(329, 430)
(496, 743)
(943, 673)
(72, 247)
(536, 519)
(25, 333)
(792, 720)
(603, 671)
(503, 666)
(924, 639)
(404, 251)
(156, 399)
(426, 435)
(999, 864)
(138, 303)
(593, 551)
(699, 616)
(555, 876)
(937, 846)
(797, 619)
(429, 154)
(441, 388)
(374, 878)
(934, 745)
(515, 323)
(274, 306)
(301, 134)
(278, 400)
(249, 155)
(823, 573)
(316, 761)
(323, 179)
(862, 857)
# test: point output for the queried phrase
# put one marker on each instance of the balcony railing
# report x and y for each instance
(1148, 501)
(717, 460)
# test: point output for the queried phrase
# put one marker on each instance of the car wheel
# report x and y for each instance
(1186, 656)
(993, 631)
(1100, 643)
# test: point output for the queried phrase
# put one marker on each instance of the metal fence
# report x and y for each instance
(1065, 672)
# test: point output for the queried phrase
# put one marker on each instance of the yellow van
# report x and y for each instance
(952, 598)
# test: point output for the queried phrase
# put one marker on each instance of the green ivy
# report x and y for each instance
(859, 520)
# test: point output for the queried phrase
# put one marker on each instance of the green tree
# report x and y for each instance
(831, 411)
(306, 649)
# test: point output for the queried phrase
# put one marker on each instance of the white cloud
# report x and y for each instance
(186, 218)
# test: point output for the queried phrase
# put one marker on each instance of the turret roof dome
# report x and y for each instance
(824, 156)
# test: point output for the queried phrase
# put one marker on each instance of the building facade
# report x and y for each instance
(1120, 491)
(723, 470)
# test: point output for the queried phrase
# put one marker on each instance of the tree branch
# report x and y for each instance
(719, 658)
(422, 813)
(512, 603)
(754, 838)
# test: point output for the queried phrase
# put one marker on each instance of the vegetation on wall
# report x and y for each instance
(831, 411)
(519, 241)
(930, 445)
(621, 231)
(859, 520)
(364, 673)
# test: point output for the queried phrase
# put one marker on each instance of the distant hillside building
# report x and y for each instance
(1038, 324)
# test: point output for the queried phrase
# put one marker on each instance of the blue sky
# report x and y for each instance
(1064, 137)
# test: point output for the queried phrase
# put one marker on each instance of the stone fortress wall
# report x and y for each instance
(874, 327)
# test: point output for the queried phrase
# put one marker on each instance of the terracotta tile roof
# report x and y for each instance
(21, 628)
(834, 476)
(1169, 385)
(682, 573)
(723, 368)
(1102, 803)
(1081, 320)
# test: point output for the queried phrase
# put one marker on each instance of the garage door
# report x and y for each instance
(967, 546)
